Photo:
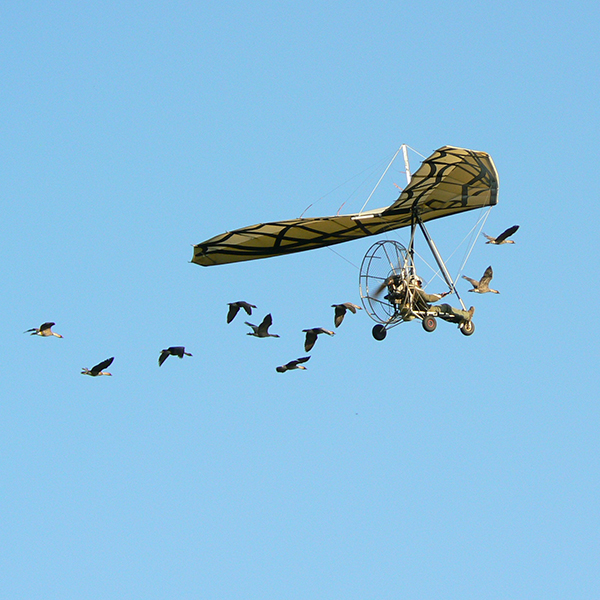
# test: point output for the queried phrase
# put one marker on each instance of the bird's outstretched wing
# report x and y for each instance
(101, 366)
(293, 364)
(266, 323)
(506, 234)
(251, 325)
(340, 313)
(473, 282)
(487, 277)
(163, 356)
(247, 307)
(309, 342)
(233, 310)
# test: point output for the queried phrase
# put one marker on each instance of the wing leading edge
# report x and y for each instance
(452, 180)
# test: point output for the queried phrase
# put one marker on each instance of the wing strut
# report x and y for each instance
(440, 262)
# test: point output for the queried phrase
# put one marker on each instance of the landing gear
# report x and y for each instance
(429, 324)
(467, 328)
(379, 332)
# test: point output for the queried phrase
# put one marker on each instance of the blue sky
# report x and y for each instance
(425, 466)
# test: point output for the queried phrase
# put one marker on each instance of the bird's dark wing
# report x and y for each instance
(34, 329)
(247, 307)
(101, 366)
(163, 356)
(233, 310)
(340, 313)
(311, 338)
(303, 360)
(487, 276)
(45, 326)
(266, 323)
(507, 233)
(177, 351)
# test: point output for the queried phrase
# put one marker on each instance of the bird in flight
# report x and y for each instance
(99, 368)
(503, 237)
(234, 308)
(293, 364)
(45, 330)
(483, 285)
(172, 351)
(311, 336)
(262, 330)
(340, 311)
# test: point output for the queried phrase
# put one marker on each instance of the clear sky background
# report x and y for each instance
(425, 466)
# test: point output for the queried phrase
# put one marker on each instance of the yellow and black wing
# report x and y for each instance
(450, 181)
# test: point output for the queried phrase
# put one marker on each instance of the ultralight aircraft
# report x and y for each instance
(451, 181)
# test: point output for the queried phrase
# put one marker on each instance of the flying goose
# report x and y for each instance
(311, 336)
(482, 286)
(293, 364)
(45, 330)
(99, 368)
(340, 311)
(262, 330)
(502, 238)
(172, 351)
(234, 307)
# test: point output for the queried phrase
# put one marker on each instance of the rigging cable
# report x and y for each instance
(341, 256)
(377, 184)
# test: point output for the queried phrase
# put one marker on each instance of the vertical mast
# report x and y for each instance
(406, 164)
(411, 249)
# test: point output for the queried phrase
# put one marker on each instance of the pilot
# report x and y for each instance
(422, 300)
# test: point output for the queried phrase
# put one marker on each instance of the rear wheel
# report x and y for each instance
(429, 324)
(379, 332)
(467, 328)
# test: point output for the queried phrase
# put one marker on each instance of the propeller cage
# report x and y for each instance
(387, 276)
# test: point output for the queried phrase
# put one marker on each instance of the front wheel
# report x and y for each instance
(429, 324)
(379, 332)
(467, 328)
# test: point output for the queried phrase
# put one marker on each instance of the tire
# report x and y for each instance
(467, 328)
(429, 324)
(379, 332)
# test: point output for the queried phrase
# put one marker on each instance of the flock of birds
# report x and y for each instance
(312, 334)
(262, 331)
